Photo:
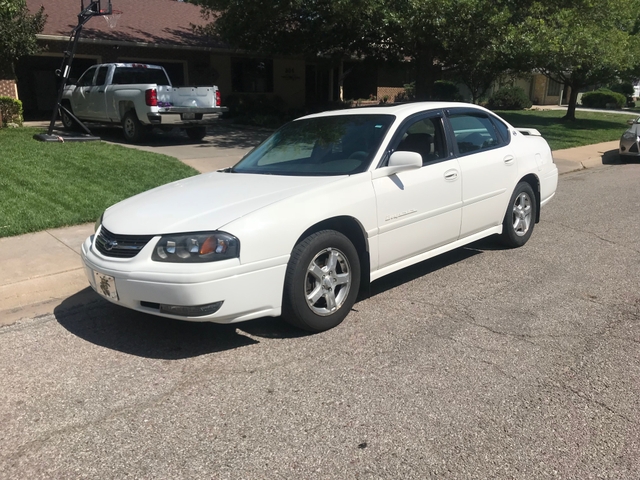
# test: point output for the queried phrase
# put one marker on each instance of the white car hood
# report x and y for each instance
(204, 202)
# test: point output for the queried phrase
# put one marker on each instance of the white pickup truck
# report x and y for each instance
(139, 97)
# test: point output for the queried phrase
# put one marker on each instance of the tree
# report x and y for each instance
(18, 29)
(476, 50)
(463, 35)
(580, 43)
(336, 29)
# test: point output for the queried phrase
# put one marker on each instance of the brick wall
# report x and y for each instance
(8, 88)
(390, 92)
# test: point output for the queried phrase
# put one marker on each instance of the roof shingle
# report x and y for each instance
(166, 22)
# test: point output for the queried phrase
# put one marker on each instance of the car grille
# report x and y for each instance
(120, 246)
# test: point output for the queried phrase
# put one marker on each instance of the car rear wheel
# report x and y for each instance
(322, 281)
(520, 218)
(67, 121)
(132, 128)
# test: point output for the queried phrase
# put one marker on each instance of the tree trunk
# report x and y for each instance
(573, 101)
(341, 80)
(426, 75)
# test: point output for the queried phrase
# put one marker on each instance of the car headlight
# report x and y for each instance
(196, 247)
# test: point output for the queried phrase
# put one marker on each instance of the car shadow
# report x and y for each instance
(613, 157)
(117, 328)
(90, 317)
(431, 265)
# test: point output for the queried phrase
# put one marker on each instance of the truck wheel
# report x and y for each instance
(132, 128)
(196, 133)
(67, 122)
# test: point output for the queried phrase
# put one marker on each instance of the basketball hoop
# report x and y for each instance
(113, 18)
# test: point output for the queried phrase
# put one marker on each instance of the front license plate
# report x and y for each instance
(188, 116)
(106, 285)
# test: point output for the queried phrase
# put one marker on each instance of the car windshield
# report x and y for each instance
(322, 146)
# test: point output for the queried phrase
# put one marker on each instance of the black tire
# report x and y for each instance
(520, 217)
(340, 285)
(196, 133)
(67, 121)
(132, 129)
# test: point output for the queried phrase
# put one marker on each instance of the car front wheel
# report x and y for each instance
(520, 218)
(322, 281)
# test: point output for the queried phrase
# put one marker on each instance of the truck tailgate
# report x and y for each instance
(203, 97)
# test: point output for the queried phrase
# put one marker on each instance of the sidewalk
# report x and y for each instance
(40, 270)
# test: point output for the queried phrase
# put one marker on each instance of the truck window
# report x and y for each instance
(101, 77)
(86, 78)
(132, 75)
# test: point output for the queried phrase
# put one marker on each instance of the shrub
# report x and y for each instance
(239, 104)
(409, 93)
(625, 88)
(446, 90)
(603, 98)
(10, 111)
(509, 98)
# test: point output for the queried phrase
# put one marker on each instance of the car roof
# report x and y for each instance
(143, 65)
(398, 109)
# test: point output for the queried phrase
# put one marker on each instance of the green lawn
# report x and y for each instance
(589, 127)
(48, 185)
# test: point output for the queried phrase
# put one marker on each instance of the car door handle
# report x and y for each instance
(509, 160)
(450, 175)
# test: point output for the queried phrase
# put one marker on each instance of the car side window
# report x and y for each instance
(474, 132)
(101, 77)
(502, 129)
(87, 77)
(426, 137)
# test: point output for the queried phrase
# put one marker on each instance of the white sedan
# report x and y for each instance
(328, 203)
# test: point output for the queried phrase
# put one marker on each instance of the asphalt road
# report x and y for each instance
(483, 363)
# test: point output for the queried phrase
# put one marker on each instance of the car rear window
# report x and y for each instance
(132, 75)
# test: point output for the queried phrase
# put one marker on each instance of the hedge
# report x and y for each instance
(10, 111)
(509, 98)
(603, 98)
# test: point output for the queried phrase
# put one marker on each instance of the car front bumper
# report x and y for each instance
(629, 146)
(246, 292)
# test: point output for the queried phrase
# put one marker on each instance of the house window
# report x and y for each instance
(251, 75)
(553, 88)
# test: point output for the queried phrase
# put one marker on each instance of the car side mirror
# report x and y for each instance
(399, 162)
(631, 121)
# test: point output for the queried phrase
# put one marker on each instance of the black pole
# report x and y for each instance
(65, 68)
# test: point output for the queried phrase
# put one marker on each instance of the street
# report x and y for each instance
(481, 363)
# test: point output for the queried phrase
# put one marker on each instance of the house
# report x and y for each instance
(148, 31)
(160, 32)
